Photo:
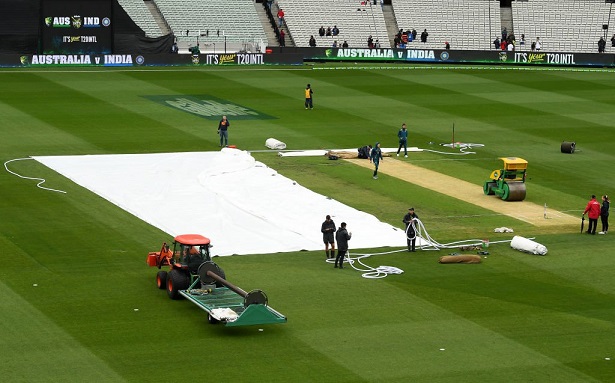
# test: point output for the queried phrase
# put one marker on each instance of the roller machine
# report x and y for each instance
(508, 183)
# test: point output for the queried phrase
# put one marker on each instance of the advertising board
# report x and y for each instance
(76, 27)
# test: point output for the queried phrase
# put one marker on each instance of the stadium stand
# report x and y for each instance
(141, 15)
(355, 19)
(465, 24)
(214, 23)
(563, 26)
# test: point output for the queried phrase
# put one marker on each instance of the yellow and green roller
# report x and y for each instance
(508, 183)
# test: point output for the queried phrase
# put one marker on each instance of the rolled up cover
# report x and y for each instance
(272, 143)
(528, 246)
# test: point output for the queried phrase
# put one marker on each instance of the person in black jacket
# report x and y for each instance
(223, 130)
(342, 236)
(601, 45)
(604, 214)
(424, 36)
(312, 42)
(410, 220)
(365, 151)
(328, 229)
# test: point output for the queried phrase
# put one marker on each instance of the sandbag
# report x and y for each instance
(528, 246)
(338, 155)
(272, 143)
(460, 258)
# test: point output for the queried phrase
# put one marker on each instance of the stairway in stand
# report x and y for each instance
(271, 37)
(164, 27)
(507, 20)
(391, 23)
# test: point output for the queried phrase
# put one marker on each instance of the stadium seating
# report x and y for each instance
(213, 21)
(564, 26)
(355, 19)
(465, 24)
(139, 13)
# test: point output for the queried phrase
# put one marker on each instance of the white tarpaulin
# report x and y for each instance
(242, 205)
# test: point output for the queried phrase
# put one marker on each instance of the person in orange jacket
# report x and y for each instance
(593, 212)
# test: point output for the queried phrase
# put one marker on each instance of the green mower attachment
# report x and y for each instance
(226, 306)
(227, 303)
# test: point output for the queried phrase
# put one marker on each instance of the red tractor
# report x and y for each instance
(188, 253)
(194, 276)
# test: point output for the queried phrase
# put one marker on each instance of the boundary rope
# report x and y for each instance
(41, 180)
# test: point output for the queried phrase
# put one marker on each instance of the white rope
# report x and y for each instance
(419, 232)
(463, 145)
(42, 180)
(461, 153)
(368, 271)
(431, 244)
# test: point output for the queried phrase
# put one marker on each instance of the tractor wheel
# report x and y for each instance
(161, 280)
(211, 319)
(488, 187)
(177, 280)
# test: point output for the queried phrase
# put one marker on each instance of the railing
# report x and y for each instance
(220, 44)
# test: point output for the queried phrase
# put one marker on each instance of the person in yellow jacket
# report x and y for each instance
(308, 97)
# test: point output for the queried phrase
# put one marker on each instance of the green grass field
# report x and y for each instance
(514, 318)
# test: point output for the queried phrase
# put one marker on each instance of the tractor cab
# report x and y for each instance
(186, 249)
(187, 253)
(190, 250)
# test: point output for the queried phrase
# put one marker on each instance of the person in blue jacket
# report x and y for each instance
(403, 140)
(375, 157)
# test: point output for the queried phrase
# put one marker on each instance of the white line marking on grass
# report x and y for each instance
(461, 67)
(42, 180)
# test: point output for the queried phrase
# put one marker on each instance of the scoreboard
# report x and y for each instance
(77, 26)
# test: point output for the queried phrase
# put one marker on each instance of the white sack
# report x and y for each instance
(272, 143)
(528, 246)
